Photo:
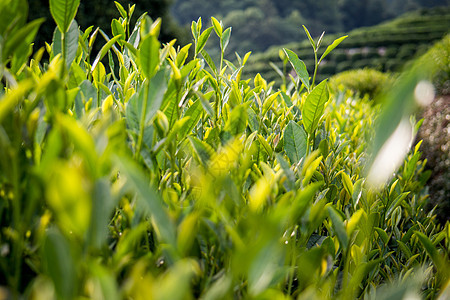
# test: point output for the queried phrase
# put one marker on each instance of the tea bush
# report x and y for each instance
(362, 82)
(175, 179)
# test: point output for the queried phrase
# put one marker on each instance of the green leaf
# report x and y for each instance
(117, 29)
(106, 280)
(287, 171)
(295, 142)
(347, 183)
(156, 92)
(194, 30)
(265, 145)
(217, 27)
(383, 235)
(12, 12)
(71, 41)
(103, 51)
(148, 201)
(201, 151)
(440, 262)
(21, 38)
(182, 55)
(14, 97)
(59, 263)
(330, 48)
(121, 10)
(394, 204)
(102, 207)
(149, 55)
(63, 12)
(338, 227)
(209, 61)
(237, 120)
(203, 38)
(314, 106)
(309, 37)
(268, 103)
(225, 39)
(194, 112)
(205, 102)
(299, 67)
(405, 249)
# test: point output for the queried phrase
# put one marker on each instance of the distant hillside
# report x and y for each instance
(259, 24)
(386, 47)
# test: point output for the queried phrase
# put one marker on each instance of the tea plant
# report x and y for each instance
(141, 174)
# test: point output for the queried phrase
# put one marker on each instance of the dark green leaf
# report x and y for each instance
(194, 112)
(295, 142)
(299, 67)
(59, 263)
(338, 227)
(149, 201)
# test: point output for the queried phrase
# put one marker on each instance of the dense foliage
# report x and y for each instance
(178, 179)
(101, 12)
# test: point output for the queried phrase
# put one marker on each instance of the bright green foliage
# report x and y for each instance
(362, 82)
(147, 175)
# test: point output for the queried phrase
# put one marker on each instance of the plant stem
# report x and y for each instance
(142, 121)
(316, 66)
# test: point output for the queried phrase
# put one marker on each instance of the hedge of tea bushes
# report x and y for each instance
(140, 174)
(386, 47)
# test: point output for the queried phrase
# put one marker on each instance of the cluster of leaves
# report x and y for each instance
(174, 179)
(101, 12)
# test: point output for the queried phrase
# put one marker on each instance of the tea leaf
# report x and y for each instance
(203, 38)
(394, 204)
(117, 29)
(441, 263)
(237, 120)
(103, 51)
(338, 227)
(63, 12)
(149, 55)
(21, 38)
(225, 39)
(314, 106)
(121, 10)
(194, 112)
(149, 201)
(217, 27)
(330, 48)
(313, 44)
(295, 142)
(299, 67)
(59, 263)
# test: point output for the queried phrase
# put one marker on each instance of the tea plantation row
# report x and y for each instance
(150, 176)
(385, 47)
